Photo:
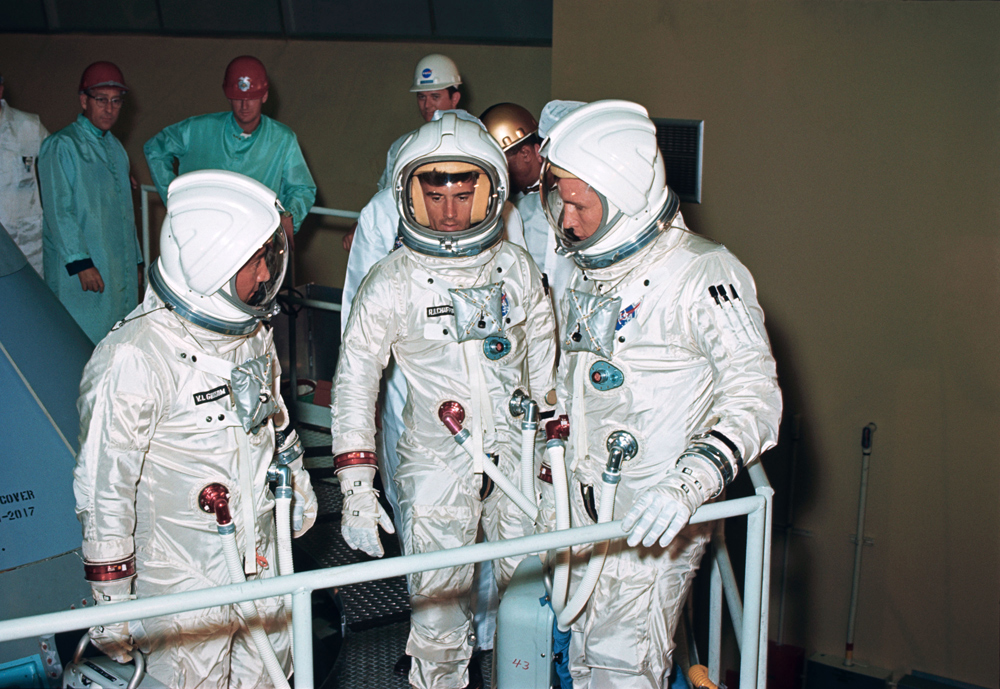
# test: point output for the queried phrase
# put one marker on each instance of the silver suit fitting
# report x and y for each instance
(522, 405)
(622, 447)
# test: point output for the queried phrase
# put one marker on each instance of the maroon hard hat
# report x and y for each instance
(245, 78)
(102, 74)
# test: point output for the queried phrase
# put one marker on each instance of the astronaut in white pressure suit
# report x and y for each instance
(181, 394)
(464, 315)
(377, 234)
(662, 337)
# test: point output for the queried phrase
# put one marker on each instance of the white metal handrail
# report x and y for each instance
(301, 585)
(146, 189)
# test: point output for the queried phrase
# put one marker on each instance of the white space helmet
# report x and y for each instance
(450, 155)
(218, 222)
(435, 72)
(610, 145)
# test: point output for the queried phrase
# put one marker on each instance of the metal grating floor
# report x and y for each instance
(376, 612)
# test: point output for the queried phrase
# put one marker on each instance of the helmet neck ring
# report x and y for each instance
(622, 251)
(192, 314)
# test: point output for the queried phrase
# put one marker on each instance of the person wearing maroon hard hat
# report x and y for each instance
(243, 140)
(90, 252)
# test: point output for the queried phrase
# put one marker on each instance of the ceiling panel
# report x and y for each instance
(104, 15)
(516, 21)
(389, 18)
(222, 16)
(23, 15)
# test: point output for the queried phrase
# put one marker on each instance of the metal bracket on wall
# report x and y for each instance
(868, 539)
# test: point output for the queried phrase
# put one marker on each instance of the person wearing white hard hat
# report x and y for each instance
(464, 315)
(90, 250)
(662, 341)
(516, 130)
(178, 401)
(435, 82)
(21, 136)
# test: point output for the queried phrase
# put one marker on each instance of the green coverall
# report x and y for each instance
(89, 222)
(270, 154)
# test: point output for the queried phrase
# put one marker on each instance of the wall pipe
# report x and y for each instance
(866, 453)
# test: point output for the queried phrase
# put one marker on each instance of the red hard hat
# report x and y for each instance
(245, 78)
(102, 74)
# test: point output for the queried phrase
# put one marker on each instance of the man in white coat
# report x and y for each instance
(21, 135)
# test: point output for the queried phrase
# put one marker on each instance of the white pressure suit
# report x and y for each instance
(406, 308)
(158, 424)
(21, 136)
(376, 236)
(666, 342)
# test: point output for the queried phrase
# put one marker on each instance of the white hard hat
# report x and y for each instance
(216, 221)
(554, 111)
(451, 147)
(610, 145)
(435, 72)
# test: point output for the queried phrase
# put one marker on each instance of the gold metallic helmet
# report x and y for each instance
(509, 124)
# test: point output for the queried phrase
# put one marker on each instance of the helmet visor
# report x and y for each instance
(448, 198)
(256, 284)
(579, 214)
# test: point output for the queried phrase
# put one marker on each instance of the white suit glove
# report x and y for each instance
(304, 510)
(662, 511)
(114, 640)
(362, 514)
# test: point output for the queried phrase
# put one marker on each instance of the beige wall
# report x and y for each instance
(851, 161)
(346, 101)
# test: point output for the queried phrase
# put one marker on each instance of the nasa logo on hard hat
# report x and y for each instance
(243, 84)
(426, 74)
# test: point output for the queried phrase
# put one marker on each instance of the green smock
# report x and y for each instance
(89, 222)
(270, 154)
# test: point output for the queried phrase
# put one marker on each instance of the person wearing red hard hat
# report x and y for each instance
(90, 251)
(243, 140)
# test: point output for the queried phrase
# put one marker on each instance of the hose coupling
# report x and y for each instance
(621, 448)
(214, 499)
(557, 429)
(452, 415)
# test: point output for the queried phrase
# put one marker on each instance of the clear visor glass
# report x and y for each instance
(579, 214)
(256, 284)
(448, 196)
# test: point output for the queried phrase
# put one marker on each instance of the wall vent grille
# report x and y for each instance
(681, 143)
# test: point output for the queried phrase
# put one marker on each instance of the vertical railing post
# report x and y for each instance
(763, 488)
(752, 590)
(715, 620)
(302, 638)
(729, 586)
